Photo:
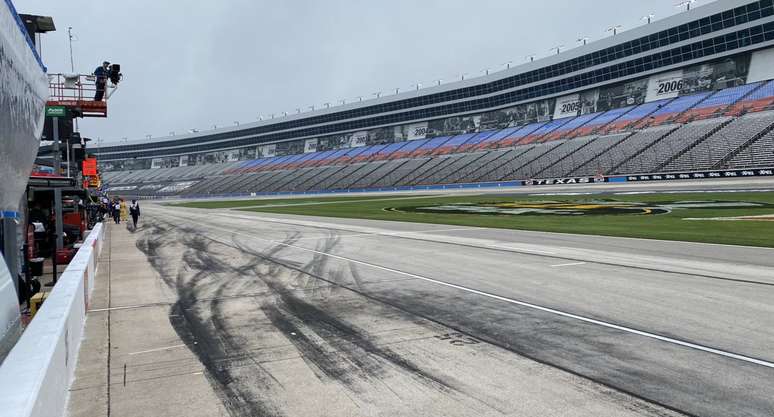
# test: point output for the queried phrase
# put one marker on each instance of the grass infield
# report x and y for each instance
(650, 216)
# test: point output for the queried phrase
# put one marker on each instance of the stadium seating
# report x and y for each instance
(567, 131)
(730, 128)
(759, 100)
(717, 103)
(671, 111)
(657, 154)
(707, 153)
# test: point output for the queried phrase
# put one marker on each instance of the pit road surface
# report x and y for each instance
(292, 315)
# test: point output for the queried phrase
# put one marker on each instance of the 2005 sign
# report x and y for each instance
(573, 107)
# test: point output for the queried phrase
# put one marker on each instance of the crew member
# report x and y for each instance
(102, 74)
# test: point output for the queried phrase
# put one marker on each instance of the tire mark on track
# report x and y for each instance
(649, 404)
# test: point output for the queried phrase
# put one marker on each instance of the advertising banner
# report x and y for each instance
(416, 131)
(733, 173)
(665, 85)
(567, 106)
(184, 161)
(156, 163)
(725, 73)
(358, 139)
(268, 151)
(588, 100)
(761, 66)
(310, 145)
(630, 93)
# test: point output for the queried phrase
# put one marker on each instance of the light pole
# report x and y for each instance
(417, 85)
(686, 3)
(343, 101)
(557, 48)
(327, 105)
(508, 64)
(359, 98)
(614, 29)
(397, 90)
(649, 18)
(377, 94)
(485, 71)
(531, 58)
(438, 81)
(584, 40)
(298, 110)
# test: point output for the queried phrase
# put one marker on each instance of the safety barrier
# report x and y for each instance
(36, 374)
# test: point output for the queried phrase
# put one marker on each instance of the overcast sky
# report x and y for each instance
(195, 64)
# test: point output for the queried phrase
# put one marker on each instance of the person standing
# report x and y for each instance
(116, 211)
(124, 210)
(134, 211)
(102, 73)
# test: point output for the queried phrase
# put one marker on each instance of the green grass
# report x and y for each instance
(670, 226)
(274, 202)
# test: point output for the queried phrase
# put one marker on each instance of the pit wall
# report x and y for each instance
(36, 374)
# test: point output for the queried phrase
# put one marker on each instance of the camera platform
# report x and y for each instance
(77, 92)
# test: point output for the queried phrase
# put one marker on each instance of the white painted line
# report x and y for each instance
(568, 264)
(520, 249)
(97, 310)
(157, 349)
(530, 305)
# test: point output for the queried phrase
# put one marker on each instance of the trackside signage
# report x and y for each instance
(56, 111)
(734, 173)
(566, 181)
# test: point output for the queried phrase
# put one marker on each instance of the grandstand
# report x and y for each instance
(674, 96)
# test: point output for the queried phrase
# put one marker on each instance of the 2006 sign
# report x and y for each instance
(670, 86)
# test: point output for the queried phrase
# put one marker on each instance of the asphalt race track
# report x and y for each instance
(297, 315)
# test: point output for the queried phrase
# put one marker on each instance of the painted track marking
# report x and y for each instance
(568, 264)
(157, 349)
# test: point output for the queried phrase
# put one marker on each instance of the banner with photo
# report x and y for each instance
(451, 126)
(588, 100)
(310, 145)
(621, 95)
(716, 75)
(328, 143)
(518, 115)
(267, 151)
(384, 135)
(292, 147)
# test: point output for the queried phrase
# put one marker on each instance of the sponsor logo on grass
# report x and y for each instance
(593, 207)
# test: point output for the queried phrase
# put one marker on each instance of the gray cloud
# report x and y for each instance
(194, 64)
